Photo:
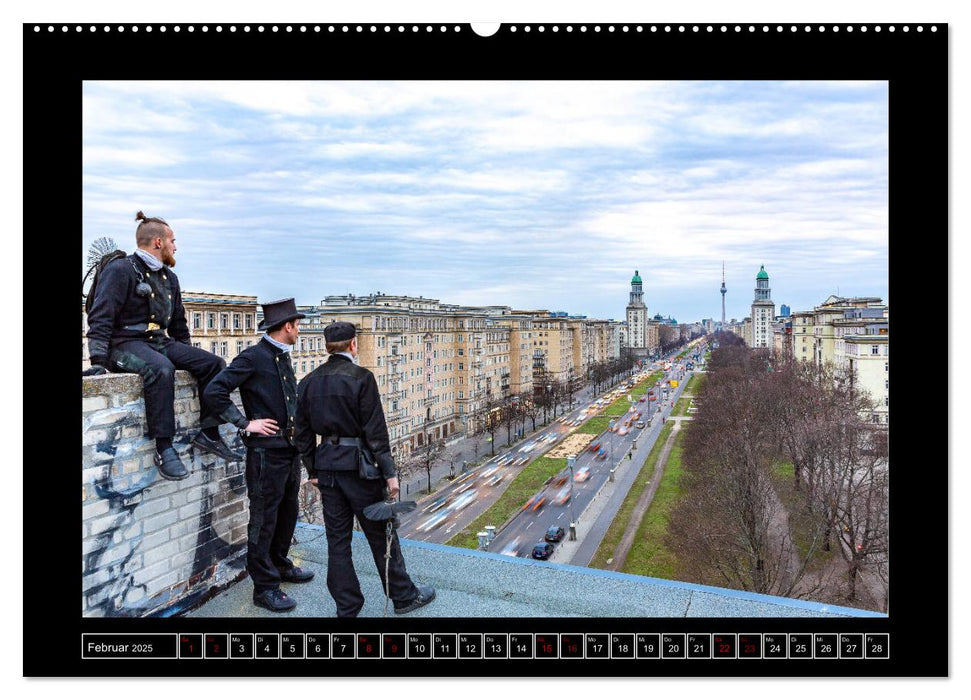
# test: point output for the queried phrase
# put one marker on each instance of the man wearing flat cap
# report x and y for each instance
(268, 387)
(339, 402)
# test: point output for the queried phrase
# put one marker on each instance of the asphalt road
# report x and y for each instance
(471, 495)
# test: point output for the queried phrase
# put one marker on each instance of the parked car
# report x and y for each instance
(554, 533)
(542, 550)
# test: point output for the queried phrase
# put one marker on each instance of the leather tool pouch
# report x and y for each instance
(367, 468)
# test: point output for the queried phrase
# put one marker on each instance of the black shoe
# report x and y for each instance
(215, 447)
(426, 594)
(169, 465)
(296, 575)
(274, 600)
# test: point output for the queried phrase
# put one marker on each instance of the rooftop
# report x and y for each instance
(482, 584)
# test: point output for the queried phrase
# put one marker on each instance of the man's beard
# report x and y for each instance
(168, 258)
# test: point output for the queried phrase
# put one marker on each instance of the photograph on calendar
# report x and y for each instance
(505, 349)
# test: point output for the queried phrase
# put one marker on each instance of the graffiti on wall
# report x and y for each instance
(114, 562)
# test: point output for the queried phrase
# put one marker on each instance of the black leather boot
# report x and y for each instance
(216, 447)
(169, 465)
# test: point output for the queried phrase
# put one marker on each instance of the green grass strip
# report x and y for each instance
(595, 425)
(619, 525)
(648, 556)
(689, 387)
(680, 406)
(521, 489)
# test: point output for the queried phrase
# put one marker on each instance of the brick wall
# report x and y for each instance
(151, 546)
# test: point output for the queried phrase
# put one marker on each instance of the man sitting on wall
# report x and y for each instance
(137, 324)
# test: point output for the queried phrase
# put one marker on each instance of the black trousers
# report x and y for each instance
(345, 495)
(272, 483)
(156, 362)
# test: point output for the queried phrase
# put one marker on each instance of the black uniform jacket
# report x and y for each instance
(340, 399)
(117, 313)
(264, 375)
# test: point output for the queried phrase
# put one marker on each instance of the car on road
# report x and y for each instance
(562, 496)
(594, 447)
(542, 550)
(640, 424)
(462, 501)
(494, 479)
(511, 549)
(433, 522)
(554, 533)
(436, 504)
(535, 503)
(583, 473)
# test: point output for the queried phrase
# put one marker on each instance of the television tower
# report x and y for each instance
(723, 292)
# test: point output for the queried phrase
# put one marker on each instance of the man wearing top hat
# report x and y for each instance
(268, 387)
(339, 402)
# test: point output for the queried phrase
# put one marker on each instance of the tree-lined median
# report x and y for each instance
(522, 488)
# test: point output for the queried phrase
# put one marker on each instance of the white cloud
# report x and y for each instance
(140, 157)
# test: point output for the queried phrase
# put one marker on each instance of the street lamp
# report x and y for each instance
(570, 461)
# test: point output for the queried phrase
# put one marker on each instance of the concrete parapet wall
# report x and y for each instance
(151, 546)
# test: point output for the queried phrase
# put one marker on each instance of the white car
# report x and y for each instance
(433, 522)
(462, 501)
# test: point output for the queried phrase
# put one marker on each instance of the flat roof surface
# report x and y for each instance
(481, 584)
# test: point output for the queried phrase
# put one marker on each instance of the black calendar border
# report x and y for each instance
(55, 62)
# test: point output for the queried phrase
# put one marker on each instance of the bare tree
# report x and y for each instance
(424, 459)
(476, 432)
(571, 386)
(491, 420)
(732, 527)
(509, 417)
(529, 408)
(544, 395)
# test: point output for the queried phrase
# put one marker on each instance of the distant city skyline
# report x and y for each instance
(524, 194)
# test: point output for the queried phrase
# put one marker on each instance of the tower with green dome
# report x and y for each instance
(763, 312)
(637, 331)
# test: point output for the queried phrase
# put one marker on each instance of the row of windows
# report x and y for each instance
(222, 348)
(226, 321)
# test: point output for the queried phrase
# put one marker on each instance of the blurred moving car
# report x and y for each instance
(562, 496)
(433, 522)
(583, 473)
(535, 503)
(554, 533)
(462, 501)
(542, 550)
(436, 504)
(511, 549)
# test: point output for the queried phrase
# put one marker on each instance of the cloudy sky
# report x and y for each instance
(527, 194)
